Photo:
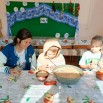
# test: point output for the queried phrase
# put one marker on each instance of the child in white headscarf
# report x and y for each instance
(51, 55)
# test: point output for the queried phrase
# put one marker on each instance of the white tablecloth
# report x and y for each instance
(87, 86)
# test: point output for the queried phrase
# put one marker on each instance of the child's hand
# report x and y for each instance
(43, 67)
(50, 69)
(92, 65)
(46, 67)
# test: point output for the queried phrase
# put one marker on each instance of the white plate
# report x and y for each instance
(8, 3)
(36, 4)
(15, 9)
(24, 3)
(57, 35)
(22, 9)
(66, 35)
(8, 14)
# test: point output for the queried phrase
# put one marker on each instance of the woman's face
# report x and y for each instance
(25, 43)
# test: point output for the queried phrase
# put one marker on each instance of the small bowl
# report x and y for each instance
(99, 74)
(42, 75)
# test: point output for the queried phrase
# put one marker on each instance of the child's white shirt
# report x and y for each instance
(88, 55)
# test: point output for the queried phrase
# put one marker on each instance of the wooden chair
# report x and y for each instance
(81, 46)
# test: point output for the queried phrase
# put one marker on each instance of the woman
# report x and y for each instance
(18, 54)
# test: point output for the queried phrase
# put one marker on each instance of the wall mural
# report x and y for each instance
(47, 19)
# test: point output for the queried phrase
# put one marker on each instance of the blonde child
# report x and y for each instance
(51, 55)
(90, 59)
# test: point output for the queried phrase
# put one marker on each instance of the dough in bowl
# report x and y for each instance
(68, 71)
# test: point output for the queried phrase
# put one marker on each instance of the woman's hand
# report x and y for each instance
(45, 67)
(42, 67)
(15, 72)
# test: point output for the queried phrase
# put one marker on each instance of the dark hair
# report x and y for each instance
(22, 35)
(98, 38)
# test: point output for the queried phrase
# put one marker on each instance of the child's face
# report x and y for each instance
(96, 46)
(52, 52)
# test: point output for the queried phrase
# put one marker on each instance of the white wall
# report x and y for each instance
(90, 16)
